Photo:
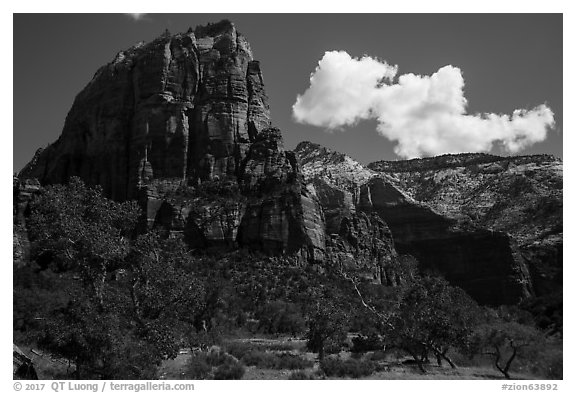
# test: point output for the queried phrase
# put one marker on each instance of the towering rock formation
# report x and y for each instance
(486, 263)
(183, 107)
(182, 124)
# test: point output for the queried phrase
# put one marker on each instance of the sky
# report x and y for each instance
(454, 80)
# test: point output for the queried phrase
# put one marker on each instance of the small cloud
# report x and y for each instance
(137, 17)
(423, 114)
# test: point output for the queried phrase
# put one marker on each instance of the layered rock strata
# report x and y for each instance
(182, 124)
(521, 196)
(486, 263)
(184, 107)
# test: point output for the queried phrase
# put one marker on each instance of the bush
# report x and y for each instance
(555, 369)
(198, 367)
(217, 358)
(288, 361)
(377, 356)
(272, 361)
(280, 317)
(229, 371)
(260, 359)
(281, 346)
(300, 375)
(371, 342)
(238, 348)
(544, 360)
(334, 367)
(205, 339)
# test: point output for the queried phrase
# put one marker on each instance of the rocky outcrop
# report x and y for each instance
(487, 264)
(521, 196)
(356, 241)
(281, 214)
(183, 107)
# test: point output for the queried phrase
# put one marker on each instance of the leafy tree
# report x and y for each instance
(165, 294)
(280, 317)
(432, 316)
(503, 341)
(79, 229)
(79, 332)
(135, 300)
(327, 325)
(425, 315)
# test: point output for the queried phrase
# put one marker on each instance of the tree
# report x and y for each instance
(136, 298)
(81, 230)
(280, 317)
(503, 341)
(425, 315)
(327, 324)
(165, 294)
(432, 316)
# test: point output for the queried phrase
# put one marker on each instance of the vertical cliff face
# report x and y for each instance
(184, 107)
(521, 196)
(486, 263)
(182, 124)
(281, 214)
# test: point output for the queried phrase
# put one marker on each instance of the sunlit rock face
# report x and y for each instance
(492, 254)
(521, 196)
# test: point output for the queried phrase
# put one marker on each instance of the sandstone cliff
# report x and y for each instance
(182, 124)
(521, 196)
(183, 107)
(485, 262)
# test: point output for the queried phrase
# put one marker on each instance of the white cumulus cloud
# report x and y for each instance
(423, 114)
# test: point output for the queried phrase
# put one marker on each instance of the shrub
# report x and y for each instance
(555, 368)
(280, 346)
(288, 361)
(205, 339)
(371, 342)
(198, 368)
(238, 348)
(229, 371)
(217, 358)
(544, 359)
(377, 356)
(260, 359)
(272, 361)
(300, 375)
(334, 367)
(280, 317)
